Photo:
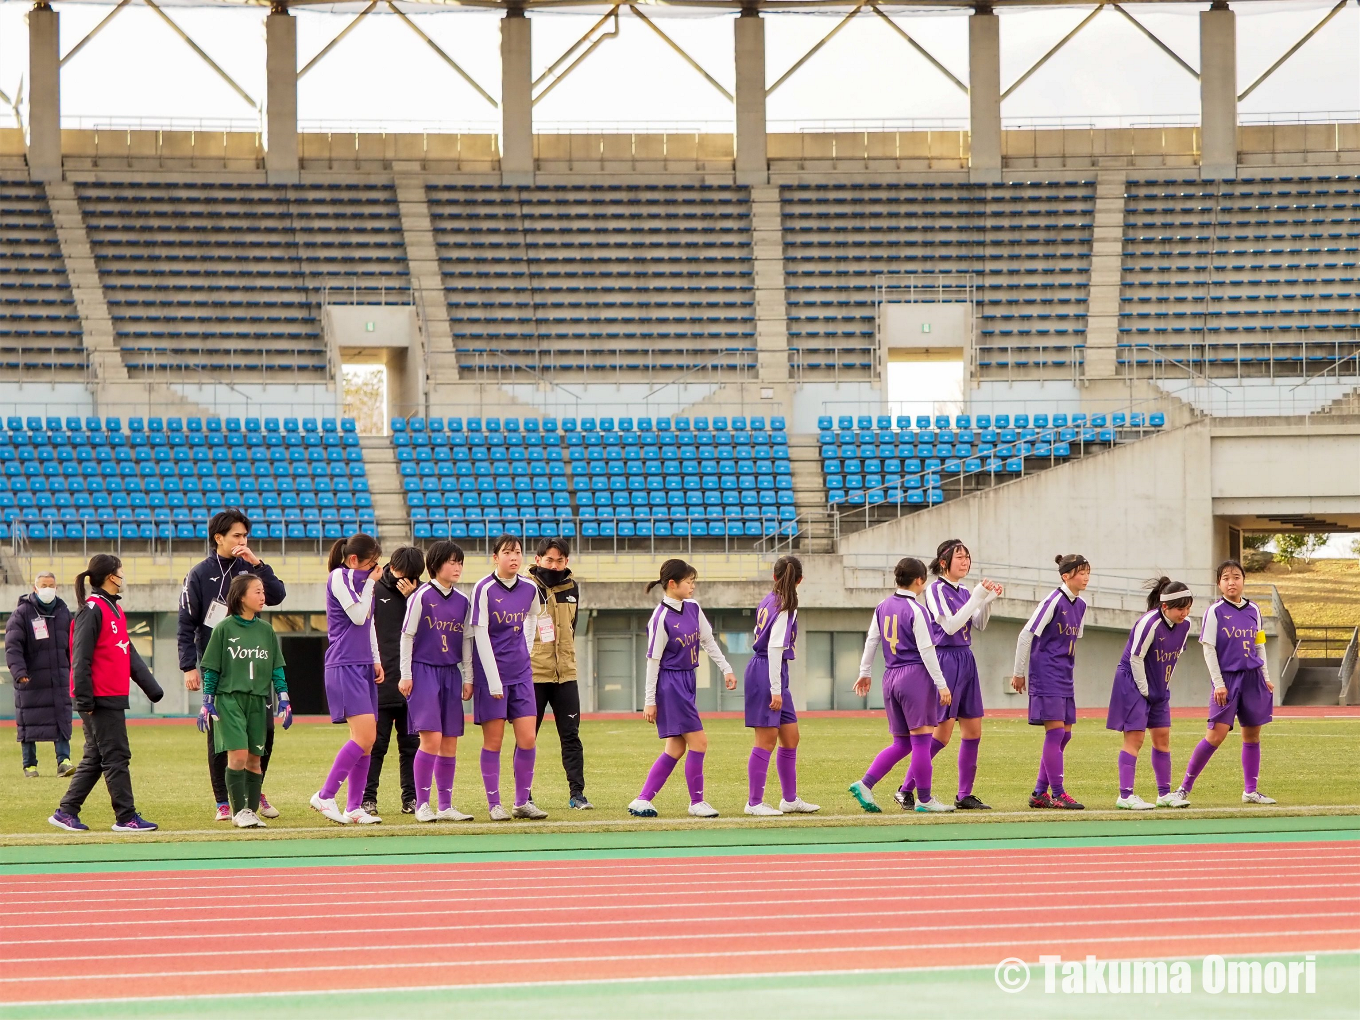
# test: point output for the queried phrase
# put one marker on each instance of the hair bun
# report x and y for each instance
(1058, 559)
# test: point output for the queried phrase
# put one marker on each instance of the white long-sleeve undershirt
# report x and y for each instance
(978, 608)
(774, 650)
(920, 628)
(660, 639)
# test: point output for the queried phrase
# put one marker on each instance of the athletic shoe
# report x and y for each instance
(703, 809)
(267, 810)
(1041, 800)
(408, 807)
(499, 814)
(137, 824)
(329, 809)
(642, 809)
(223, 813)
(1257, 798)
(425, 813)
(30, 772)
(65, 820)
(1066, 803)
(247, 819)
(970, 803)
(1133, 802)
(762, 810)
(906, 799)
(65, 768)
(865, 797)
(452, 814)
(580, 803)
(361, 817)
(371, 806)
(798, 806)
(529, 810)
(1176, 798)
(934, 804)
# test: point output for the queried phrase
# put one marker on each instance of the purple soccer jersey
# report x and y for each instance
(1158, 644)
(504, 618)
(945, 599)
(681, 628)
(435, 623)
(895, 618)
(1232, 630)
(352, 642)
(1052, 652)
(771, 621)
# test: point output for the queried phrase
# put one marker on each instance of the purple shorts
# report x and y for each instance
(518, 702)
(1129, 710)
(758, 710)
(965, 688)
(350, 691)
(676, 712)
(910, 699)
(1052, 708)
(436, 701)
(1248, 700)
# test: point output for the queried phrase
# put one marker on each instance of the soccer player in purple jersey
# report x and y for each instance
(432, 679)
(675, 633)
(914, 687)
(1141, 697)
(769, 705)
(353, 670)
(1233, 638)
(505, 619)
(1046, 653)
(955, 612)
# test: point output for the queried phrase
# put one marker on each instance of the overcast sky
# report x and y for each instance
(382, 73)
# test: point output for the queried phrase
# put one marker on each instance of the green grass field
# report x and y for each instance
(1306, 765)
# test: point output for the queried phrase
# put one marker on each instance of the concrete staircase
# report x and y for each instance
(809, 495)
(1317, 682)
(767, 250)
(384, 485)
(427, 285)
(1107, 252)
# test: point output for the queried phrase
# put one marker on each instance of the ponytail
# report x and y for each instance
(788, 571)
(100, 567)
(673, 571)
(365, 547)
(1164, 586)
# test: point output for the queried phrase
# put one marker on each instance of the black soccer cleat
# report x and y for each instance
(906, 799)
(971, 803)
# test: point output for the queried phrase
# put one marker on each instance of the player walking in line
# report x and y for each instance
(1046, 654)
(506, 616)
(241, 668)
(914, 687)
(353, 671)
(769, 705)
(1233, 638)
(1141, 697)
(955, 612)
(675, 633)
(432, 679)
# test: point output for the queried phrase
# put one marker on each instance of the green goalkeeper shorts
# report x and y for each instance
(242, 721)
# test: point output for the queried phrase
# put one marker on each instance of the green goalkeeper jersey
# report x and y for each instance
(243, 657)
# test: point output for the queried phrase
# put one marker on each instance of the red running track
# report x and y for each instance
(115, 935)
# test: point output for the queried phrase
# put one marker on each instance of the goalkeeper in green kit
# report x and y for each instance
(242, 666)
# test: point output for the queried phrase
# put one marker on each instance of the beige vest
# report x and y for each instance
(554, 662)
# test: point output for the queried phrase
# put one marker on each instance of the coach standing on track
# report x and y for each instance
(202, 606)
(554, 661)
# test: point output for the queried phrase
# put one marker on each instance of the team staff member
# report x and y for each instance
(394, 586)
(554, 661)
(38, 653)
(202, 606)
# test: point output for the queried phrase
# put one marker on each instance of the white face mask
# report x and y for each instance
(47, 595)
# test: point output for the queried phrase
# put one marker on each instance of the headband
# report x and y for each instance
(1176, 596)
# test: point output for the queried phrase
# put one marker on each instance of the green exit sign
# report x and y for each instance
(368, 326)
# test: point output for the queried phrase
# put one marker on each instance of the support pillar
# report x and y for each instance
(44, 94)
(752, 151)
(517, 102)
(280, 100)
(1218, 91)
(984, 95)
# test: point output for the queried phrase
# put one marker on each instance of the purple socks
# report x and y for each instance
(358, 779)
(1051, 763)
(922, 764)
(1199, 757)
(524, 774)
(1251, 766)
(444, 769)
(968, 755)
(694, 775)
(786, 763)
(1128, 765)
(908, 782)
(887, 758)
(424, 774)
(656, 778)
(1161, 771)
(757, 771)
(491, 776)
(344, 763)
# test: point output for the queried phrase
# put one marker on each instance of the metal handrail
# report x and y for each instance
(1350, 668)
(1330, 368)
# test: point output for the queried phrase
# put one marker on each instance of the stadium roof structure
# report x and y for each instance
(669, 7)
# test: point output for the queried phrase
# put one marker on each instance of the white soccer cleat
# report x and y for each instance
(267, 810)
(1256, 798)
(361, 817)
(1176, 798)
(798, 806)
(1133, 802)
(642, 809)
(452, 814)
(864, 796)
(425, 813)
(247, 819)
(499, 814)
(529, 810)
(933, 805)
(329, 810)
(763, 811)
(703, 809)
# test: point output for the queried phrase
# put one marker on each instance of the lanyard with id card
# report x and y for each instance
(547, 633)
(40, 632)
(217, 612)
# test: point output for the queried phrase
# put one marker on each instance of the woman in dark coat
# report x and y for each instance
(38, 654)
